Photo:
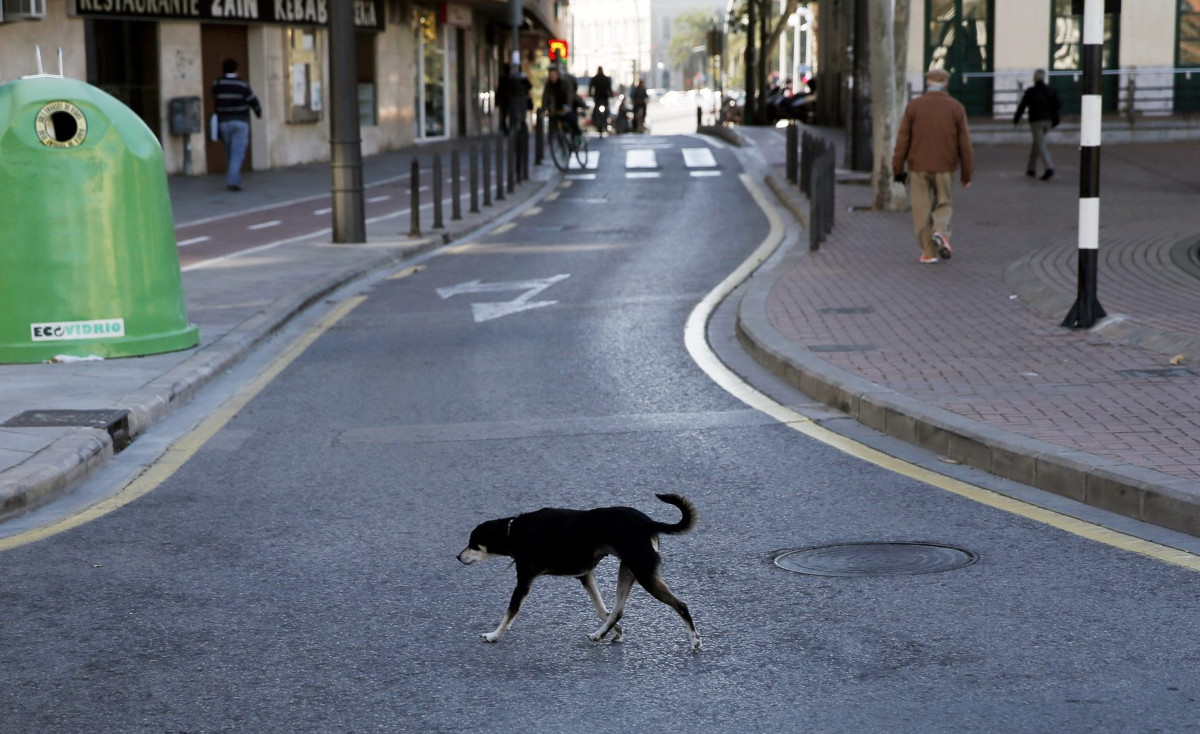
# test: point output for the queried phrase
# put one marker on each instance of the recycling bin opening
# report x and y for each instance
(88, 260)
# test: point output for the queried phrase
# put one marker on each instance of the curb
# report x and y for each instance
(74, 457)
(1110, 484)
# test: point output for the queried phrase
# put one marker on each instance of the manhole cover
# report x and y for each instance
(875, 559)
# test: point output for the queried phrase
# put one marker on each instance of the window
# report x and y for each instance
(365, 45)
(430, 70)
(304, 92)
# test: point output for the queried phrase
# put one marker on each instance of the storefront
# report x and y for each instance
(424, 72)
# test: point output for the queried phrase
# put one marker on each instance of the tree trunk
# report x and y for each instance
(885, 67)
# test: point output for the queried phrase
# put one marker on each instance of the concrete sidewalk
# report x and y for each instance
(237, 303)
(967, 358)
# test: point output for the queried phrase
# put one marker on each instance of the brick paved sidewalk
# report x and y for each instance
(979, 335)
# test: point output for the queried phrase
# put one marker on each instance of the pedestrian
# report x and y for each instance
(234, 101)
(1042, 101)
(640, 98)
(502, 87)
(934, 140)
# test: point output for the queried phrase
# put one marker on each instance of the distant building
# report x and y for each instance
(631, 38)
(991, 49)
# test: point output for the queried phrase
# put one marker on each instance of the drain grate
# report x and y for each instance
(841, 347)
(847, 310)
(875, 559)
(1168, 372)
(115, 422)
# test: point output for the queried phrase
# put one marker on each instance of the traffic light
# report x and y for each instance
(558, 49)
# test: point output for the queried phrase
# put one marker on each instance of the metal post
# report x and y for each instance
(699, 120)
(539, 142)
(511, 158)
(474, 178)
(437, 191)
(1087, 309)
(487, 174)
(414, 199)
(500, 168)
(792, 135)
(345, 137)
(455, 187)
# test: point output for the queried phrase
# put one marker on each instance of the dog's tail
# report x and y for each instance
(686, 523)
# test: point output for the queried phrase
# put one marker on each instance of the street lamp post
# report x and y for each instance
(345, 137)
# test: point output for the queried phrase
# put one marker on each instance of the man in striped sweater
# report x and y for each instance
(234, 101)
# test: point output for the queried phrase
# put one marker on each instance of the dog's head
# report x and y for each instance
(488, 540)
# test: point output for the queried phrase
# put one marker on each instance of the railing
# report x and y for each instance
(1133, 93)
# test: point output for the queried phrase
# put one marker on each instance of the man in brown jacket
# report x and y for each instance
(934, 140)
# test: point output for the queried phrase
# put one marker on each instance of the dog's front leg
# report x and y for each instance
(625, 580)
(589, 584)
(514, 606)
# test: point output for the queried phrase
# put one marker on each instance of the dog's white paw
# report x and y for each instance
(595, 637)
(696, 644)
(618, 633)
(490, 636)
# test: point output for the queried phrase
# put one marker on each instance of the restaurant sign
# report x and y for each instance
(368, 14)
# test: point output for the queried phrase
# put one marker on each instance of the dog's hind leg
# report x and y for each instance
(625, 580)
(589, 584)
(654, 584)
(514, 606)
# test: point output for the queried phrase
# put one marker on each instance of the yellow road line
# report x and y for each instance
(695, 338)
(188, 444)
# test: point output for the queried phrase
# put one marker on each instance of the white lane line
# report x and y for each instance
(580, 177)
(640, 158)
(376, 199)
(642, 174)
(193, 241)
(699, 158)
(593, 160)
(322, 212)
(265, 225)
(704, 174)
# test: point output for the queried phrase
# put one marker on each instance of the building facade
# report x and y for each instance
(426, 71)
(991, 49)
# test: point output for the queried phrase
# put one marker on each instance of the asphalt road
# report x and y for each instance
(298, 573)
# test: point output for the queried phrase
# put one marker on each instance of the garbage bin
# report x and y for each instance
(88, 261)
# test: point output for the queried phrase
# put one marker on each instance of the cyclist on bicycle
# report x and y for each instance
(600, 90)
(558, 97)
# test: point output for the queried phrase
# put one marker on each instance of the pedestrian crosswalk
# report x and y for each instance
(649, 161)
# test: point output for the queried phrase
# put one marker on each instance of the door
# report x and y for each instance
(217, 43)
(123, 61)
(958, 38)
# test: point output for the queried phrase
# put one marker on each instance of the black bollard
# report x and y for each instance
(474, 179)
(511, 150)
(792, 139)
(455, 187)
(500, 168)
(414, 211)
(437, 191)
(539, 142)
(487, 175)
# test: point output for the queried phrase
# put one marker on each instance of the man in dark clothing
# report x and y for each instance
(1042, 102)
(558, 97)
(600, 90)
(640, 97)
(234, 101)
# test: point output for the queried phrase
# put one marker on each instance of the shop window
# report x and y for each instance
(1187, 55)
(1066, 55)
(430, 72)
(367, 106)
(304, 91)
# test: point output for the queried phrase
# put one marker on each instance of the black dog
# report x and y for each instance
(571, 542)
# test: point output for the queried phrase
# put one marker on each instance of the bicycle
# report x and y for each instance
(563, 145)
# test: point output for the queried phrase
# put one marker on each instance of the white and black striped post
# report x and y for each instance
(1087, 308)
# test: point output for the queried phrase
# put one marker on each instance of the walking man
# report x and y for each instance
(234, 101)
(934, 140)
(1042, 102)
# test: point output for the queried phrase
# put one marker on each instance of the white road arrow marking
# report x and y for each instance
(495, 309)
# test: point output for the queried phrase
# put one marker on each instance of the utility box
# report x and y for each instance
(88, 261)
(184, 115)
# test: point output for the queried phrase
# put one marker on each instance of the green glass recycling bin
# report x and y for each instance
(88, 261)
